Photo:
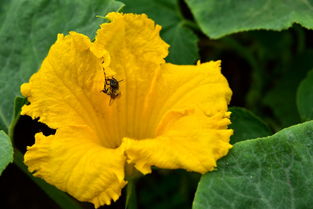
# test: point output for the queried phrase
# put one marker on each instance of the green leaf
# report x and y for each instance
(219, 18)
(246, 125)
(28, 28)
(305, 97)
(6, 151)
(282, 96)
(61, 198)
(18, 104)
(183, 42)
(270, 172)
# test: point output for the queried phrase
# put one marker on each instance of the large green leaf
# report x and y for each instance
(305, 97)
(183, 42)
(219, 18)
(270, 172)
(6, 151)
(246, 125)
(27, 30)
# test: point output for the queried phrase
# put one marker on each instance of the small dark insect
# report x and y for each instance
(111, 88)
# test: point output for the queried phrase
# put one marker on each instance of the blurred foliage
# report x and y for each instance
(267, 70)
(246, 125)
(305, 97)
(165, 189)
(281, 98)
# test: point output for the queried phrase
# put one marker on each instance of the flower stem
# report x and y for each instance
(131, 201)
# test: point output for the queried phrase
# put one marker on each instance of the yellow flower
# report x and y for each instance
(166, 115)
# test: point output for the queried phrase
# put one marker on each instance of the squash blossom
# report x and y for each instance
(165, 115)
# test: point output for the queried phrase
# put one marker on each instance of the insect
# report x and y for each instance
(111, 88)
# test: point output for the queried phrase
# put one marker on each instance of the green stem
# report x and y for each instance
(131, 200)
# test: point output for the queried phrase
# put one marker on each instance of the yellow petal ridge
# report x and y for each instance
(77, 166)
(187, 122)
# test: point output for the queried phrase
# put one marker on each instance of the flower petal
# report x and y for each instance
(75, 164)
(136, 52)
(67, 89)
(187, 115)
(65, 94)
(131, 38)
